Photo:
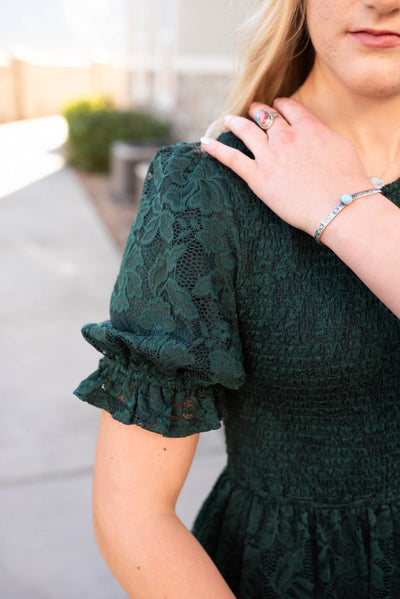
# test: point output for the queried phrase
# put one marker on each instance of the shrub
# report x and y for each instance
(94, 123)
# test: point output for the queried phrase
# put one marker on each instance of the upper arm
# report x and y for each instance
(138, 471)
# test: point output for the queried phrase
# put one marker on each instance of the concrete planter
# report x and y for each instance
(129, 162)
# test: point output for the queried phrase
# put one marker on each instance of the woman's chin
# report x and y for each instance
(374, 83)
(377, 89)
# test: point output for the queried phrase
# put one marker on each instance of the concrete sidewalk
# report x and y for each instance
(58, 267)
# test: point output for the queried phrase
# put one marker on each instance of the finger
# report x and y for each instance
(233, 159)
(256, 106)
(249, 132)
(292, 110)
(277, 124)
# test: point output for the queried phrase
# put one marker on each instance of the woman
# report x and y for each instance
(225, 310)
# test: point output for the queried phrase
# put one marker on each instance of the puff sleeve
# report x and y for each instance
(171, 348)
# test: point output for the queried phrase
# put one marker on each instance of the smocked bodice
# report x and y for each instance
(223, 312)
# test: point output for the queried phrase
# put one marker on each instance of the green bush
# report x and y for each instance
(94, 123)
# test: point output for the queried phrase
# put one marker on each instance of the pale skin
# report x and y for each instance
(345, 130)
(138, 476)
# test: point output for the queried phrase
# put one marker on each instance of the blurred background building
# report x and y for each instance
(173, 57)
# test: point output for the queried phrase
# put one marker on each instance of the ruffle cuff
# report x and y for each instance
(161, 404)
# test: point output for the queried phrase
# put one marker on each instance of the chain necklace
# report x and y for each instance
(377, 181)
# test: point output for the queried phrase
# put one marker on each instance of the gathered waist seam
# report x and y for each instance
(306, 502)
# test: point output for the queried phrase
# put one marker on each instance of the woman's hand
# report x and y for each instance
(300, 168)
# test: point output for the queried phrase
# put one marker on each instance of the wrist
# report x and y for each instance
(330, 211)
(358, 223)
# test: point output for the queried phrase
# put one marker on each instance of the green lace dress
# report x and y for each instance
(223, 312)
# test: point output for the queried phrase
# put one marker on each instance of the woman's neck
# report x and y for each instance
(371, 124)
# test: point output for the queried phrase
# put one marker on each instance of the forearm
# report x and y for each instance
(366, 236)
(158, 557)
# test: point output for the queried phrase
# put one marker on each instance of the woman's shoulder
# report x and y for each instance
(183, 171)
(188, 195)
(182, 177)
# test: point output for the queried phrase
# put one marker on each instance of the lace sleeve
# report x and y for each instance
(172, 348)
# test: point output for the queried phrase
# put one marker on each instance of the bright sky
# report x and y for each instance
(75, 26)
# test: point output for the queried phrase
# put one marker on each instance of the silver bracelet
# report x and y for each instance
(345, 200)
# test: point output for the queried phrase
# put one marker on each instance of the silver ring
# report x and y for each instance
(265, 118)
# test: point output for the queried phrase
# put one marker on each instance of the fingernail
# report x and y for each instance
(205, 141)
(228, 118)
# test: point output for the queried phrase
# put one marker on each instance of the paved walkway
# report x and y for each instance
(58, 267)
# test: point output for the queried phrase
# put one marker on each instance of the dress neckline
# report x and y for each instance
(393, 185)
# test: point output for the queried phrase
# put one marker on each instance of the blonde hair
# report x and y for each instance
(278, 57)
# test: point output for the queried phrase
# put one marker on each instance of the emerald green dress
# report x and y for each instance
(223, 312)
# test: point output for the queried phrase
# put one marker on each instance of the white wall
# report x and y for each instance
(183, 53)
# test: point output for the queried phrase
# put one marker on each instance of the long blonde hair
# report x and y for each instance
(277, 59)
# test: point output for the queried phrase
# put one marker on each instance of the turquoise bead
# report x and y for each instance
(346, 198)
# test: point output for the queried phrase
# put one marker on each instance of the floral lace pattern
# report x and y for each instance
(278, 551)
(172, 343)
(221, 311)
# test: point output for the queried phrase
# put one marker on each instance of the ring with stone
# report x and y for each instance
(265, 118)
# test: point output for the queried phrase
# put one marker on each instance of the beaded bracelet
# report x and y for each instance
(345, 200)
